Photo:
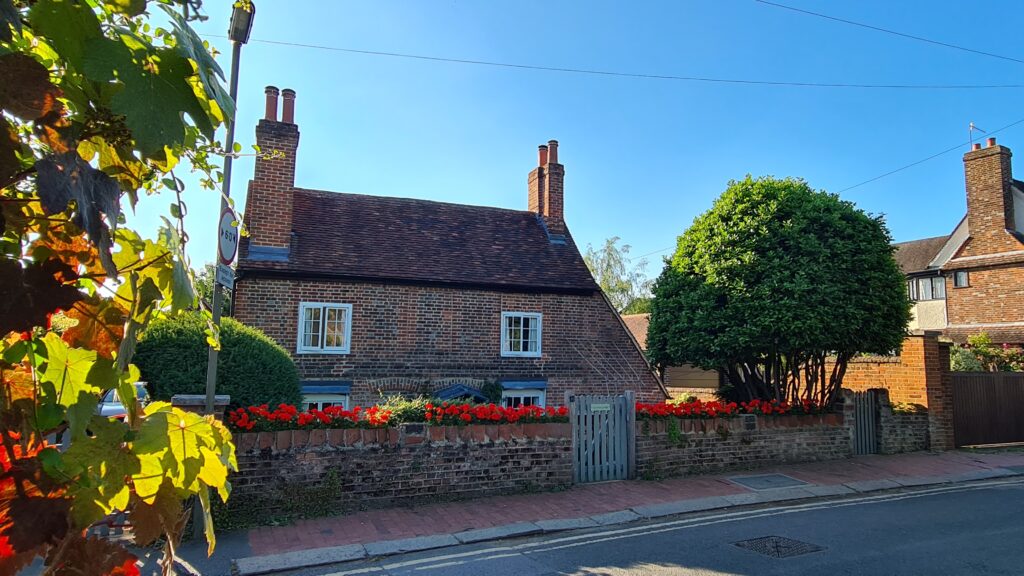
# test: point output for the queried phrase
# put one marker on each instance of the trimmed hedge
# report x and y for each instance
(252, 368)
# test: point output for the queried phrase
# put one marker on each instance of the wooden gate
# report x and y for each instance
(865, 422)
(603, 436)
(988, 408)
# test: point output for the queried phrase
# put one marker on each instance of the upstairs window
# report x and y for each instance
(961, 279)
(520, 334)
(324, 328)
(933, 288)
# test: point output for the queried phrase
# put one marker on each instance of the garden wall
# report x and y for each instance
(673, 447)
(298, 472)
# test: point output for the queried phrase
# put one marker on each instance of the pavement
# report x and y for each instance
(381, 533)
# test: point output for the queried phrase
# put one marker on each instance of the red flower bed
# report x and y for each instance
(288, 417)
(716, 409)
(448, 414)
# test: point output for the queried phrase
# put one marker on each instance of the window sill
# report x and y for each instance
(521, 355)
(308, 352)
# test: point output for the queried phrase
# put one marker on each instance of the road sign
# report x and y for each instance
(225, 276)
(227, 237)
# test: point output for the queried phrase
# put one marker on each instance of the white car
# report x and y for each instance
(111, 406)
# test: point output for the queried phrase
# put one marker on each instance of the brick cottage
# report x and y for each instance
(374, 296)
(972, 281)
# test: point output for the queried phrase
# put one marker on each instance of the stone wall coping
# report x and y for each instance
(734, 424)
(405, 435)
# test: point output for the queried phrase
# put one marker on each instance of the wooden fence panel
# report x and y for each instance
(988, 408)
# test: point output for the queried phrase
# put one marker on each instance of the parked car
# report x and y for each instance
(111, 406)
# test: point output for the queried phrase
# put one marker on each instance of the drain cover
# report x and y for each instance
(767, 481)
(778, 546)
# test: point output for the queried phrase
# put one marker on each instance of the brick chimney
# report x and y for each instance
(989, 200)
(268, 210)
(545, 186)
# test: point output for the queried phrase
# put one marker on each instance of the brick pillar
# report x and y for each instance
(939, 391)
(849, 419)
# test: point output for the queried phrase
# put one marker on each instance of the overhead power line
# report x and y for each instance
(959, 146)
(893, 32)
(621, 74)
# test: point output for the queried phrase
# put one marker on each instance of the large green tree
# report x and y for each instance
(780, 286)
(622, 280)
(98, 106)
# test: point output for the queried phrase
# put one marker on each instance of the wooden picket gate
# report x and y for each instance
(603, 436)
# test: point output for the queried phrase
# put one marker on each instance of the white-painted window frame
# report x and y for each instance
(317, 401)
(505, 348)
(323, 348)
(508, 397)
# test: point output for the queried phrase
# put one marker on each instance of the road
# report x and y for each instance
(967, 529)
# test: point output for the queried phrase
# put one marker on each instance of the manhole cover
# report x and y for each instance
(778, 546)
(767, 481)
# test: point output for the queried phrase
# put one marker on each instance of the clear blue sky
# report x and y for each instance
(642, 157)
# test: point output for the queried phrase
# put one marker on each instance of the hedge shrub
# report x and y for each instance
(252, 368)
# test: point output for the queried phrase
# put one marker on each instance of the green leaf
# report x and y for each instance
(102, 463)
(211, 536)
(128, 7)
(68, 371)
(157, 75)
(192, 47)
(67, 26)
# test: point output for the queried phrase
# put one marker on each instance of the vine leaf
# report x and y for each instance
(102, 463)
(75, 378)
(66, 177)
(129, 7)
(27, 295)
(192, 47)
(95, 556)
(152, 520)
(67, 26)
(156, 75)
(25, 88)
(8, 16)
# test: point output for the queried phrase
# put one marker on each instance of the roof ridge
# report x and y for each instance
(411, 200)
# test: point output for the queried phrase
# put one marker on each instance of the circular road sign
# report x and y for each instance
(227, 237)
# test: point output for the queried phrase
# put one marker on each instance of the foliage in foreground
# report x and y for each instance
(252, 368)
(773, 281)
(980, 354)
(94, 105)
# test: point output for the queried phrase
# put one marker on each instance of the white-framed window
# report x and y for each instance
(321, 401)
(324, 328)
(961, 279)
(527, 397)
(521, 334)
(933, 288)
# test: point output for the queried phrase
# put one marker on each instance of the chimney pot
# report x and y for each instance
(288, 108)
(991, 141)
(977, 146)
(553, 151)
(542, 155)
(271, 110)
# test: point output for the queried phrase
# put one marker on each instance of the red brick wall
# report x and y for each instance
(347, 469)
(919, 375)
(421, 332)
(995, 295)
(705, 446)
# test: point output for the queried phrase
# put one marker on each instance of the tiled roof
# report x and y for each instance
(637, 324)
(914, 256)
(377, 237)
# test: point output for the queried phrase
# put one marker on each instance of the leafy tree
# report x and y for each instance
(204, 283)
(781, 286)
(97, 107)
(252, 369)
(626, 286)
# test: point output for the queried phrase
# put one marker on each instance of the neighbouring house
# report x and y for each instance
(375, 296)
(681, 381)
(972, 281)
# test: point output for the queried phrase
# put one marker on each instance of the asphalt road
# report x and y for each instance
(966, 529)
